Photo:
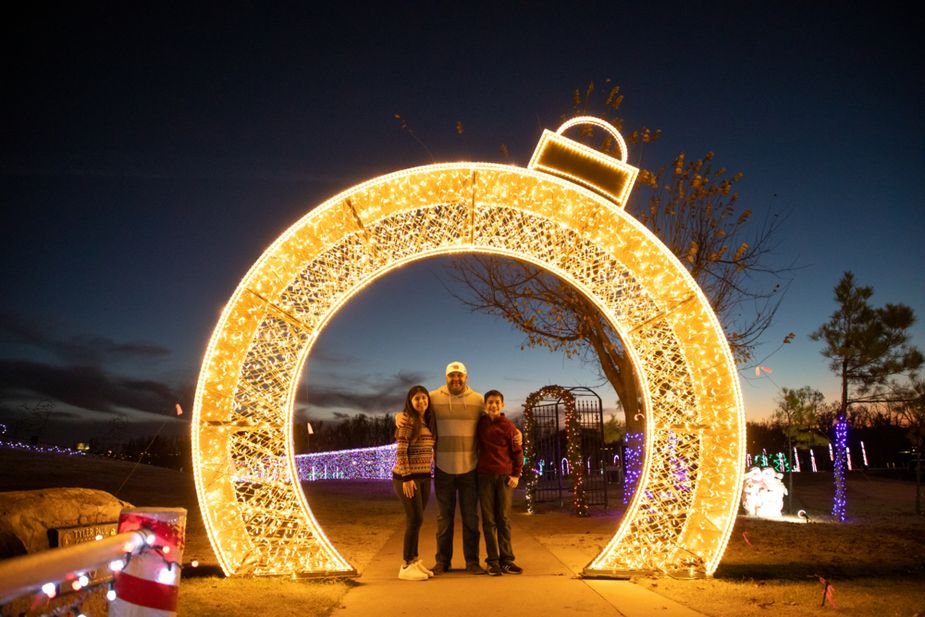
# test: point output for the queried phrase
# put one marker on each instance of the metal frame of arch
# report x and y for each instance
(254, 509)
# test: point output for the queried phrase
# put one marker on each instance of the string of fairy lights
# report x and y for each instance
(68, 596)
(13, 444)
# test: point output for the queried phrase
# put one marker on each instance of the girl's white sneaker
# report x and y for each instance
(420, 566)
(411, 573)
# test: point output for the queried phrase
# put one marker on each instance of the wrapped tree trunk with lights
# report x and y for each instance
(866, 347)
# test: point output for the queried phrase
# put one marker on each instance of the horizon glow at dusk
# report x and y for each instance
(149, 159)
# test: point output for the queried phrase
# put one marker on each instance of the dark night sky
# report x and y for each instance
(150, 155)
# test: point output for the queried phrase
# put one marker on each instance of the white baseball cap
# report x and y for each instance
(456, 367)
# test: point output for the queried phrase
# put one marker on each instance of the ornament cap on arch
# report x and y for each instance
(597, 171)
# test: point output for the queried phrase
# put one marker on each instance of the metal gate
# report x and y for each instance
(549, 438)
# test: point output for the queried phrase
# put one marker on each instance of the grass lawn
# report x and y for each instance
(875, 561)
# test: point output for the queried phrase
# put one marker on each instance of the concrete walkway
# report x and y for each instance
(550, 585)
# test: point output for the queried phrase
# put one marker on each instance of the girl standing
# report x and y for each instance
(414, 437)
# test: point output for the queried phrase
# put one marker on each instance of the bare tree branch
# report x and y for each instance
(692, 206)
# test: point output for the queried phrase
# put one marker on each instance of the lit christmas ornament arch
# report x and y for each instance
(681, 516)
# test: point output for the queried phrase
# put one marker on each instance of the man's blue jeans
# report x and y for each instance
(446, 487)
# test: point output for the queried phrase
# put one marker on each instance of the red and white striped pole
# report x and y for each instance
(148, 585)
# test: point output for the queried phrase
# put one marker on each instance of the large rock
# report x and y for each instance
(27, 516)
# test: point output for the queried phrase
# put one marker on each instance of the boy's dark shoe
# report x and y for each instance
(474, 568)
(511, 568)
(439, 568)
(494, 569)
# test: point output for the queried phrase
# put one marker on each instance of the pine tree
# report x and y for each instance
(866, 347)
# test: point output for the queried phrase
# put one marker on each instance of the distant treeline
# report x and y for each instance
(344, 433)
(341, 433)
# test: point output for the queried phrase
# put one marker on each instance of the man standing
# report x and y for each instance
(457, 409)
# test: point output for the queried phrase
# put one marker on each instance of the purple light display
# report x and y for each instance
(632, 459)
(839, 504)
(18, 445)
(356, 464)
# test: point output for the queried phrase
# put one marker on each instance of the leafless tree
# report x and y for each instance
(693, 207)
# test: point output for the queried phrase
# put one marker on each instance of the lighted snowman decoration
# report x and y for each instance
(763, 493)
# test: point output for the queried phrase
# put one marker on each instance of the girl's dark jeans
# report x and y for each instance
(414, 514)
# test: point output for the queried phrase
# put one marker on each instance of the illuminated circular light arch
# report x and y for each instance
(254, 509)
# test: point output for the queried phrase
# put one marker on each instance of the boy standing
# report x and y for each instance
(500, 465)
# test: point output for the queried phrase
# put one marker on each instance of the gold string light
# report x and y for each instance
(253, 506)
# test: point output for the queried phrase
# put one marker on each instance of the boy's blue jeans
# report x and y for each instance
(446, 488)
(495, 497)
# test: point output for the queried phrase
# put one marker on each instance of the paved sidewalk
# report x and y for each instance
(549, 585)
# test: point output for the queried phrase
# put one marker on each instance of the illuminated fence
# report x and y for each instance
(357, 464)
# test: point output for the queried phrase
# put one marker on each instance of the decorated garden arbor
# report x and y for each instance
(563, 213)
(564, 448)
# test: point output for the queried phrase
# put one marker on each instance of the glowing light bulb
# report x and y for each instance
(116, 565)
(111, 595)
(166, 576)
(50, 590)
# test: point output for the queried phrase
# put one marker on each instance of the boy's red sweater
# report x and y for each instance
(497, 452)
